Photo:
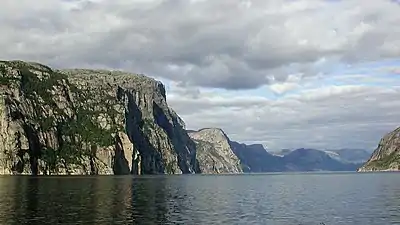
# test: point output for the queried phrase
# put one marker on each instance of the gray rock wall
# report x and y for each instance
(88, 122)
(214, 152)
(386, 156)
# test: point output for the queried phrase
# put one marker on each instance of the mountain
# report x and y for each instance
(345, 155)
(254, 158)
(214, 151)
(281, 152)
(350, 155)
(88, 122)
(315, 160)
(386, 156)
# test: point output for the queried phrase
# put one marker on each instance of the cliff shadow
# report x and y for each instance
(150, 158)
(184, 147)
(120, 163)
(44, 200)
(34, 148)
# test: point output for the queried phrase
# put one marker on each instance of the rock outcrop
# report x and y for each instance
(214, 152)
(88, 122)
(386, 156)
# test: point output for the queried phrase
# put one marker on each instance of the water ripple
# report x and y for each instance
(285, 199)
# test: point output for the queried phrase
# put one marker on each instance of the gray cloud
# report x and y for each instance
(201, 43)
(346, 116)
(231, 45)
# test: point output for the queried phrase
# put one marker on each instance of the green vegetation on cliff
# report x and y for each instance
(83, 121)
(387, 155)
(76, 126)
(385, 162)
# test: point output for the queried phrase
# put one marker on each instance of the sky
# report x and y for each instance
(284, 73)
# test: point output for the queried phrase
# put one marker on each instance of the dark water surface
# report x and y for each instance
(331, 198)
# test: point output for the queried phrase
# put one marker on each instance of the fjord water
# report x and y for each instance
(298, 198)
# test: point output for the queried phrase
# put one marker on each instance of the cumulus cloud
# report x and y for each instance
(202, 43)
(327, 117)
(281, 72)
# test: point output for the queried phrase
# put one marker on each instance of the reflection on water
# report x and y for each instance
(344, 198)
(82, 200)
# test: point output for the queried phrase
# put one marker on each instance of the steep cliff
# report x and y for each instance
(254, 158)
(88, 122)
(386, 157)
(214, 152)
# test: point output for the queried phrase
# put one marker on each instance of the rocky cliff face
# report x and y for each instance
(214, 152)
(386, 157)
(88, 122)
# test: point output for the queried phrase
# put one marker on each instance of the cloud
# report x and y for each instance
(202, 43)
(327, 117)
(281, 88)
(281, 72)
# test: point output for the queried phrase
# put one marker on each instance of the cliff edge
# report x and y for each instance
(88, 122)
(214, 152)
(386, 156)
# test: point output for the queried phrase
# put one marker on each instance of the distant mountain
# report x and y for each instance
(315, 160)
(350, 155)
(216, 153)
(345, 155)
(282, 152)
(254, 158)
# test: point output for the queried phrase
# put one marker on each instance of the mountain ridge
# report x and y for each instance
(82, 121)
(254, 158)
(91, 122)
